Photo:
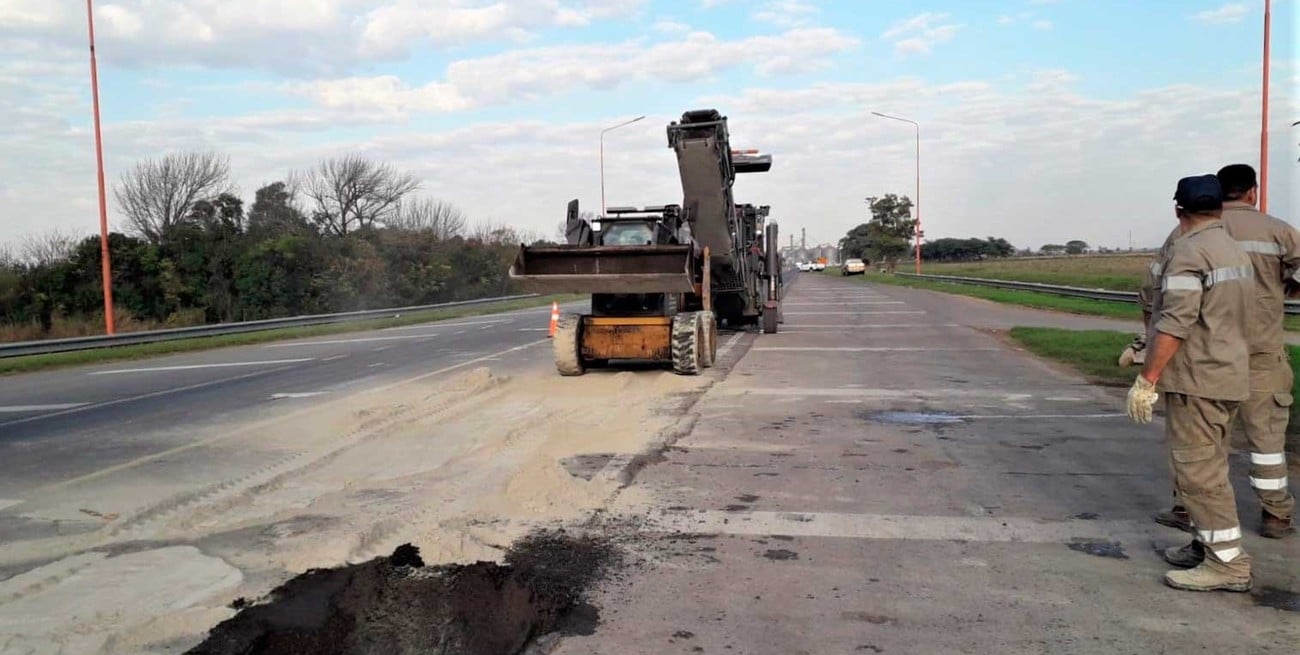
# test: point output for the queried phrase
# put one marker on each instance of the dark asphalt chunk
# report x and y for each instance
(1099, 548)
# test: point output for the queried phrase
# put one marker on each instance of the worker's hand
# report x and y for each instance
(1134, 353)
(1142, 397)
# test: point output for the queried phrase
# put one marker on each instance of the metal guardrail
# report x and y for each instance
(47, 346)
(1292, 307)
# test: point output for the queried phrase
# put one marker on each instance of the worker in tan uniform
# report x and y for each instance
(1274, 250)
(1198, 357)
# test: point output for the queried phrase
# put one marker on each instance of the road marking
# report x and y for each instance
(22, 409)
(301, 394)
(203, 443)
(534, 329)
(872, 326)
(891, 526)
(726, 348)
(189, 367)
(910, 311)
(299, 344)
(877, 394)
(145, 396)
(438, 326)
(457, 332)
(868, 349)
(840, 302)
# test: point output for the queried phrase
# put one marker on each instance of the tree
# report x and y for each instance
(1076, 247)
(275, 215)
(49, 247)
(156, 195)
(441, 219)
(1052, 249)
(351, 192)
(891, 228)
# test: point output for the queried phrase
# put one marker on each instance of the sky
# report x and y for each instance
(1040, 121)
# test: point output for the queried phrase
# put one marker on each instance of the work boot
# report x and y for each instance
(1175, 517)
(1273, 527)
(1186, 557)
(1205, 578)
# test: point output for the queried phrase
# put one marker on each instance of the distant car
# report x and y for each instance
(818, 266)
(853, 267)
(804, 266)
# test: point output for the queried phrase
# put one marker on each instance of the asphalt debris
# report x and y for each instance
(1099, 548)
(398, 605)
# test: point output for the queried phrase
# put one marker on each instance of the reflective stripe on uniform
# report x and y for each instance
(1268, 484)
(1230, 273)
(1268, 459)
(1219, 536)
(1157, 268)
(1181, 283)
(1227, 554)
(1261, 247)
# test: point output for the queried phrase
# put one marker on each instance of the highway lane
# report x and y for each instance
(60, 424)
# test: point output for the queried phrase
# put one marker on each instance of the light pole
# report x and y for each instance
(918, 182)
(106, 270)
(602, 158)
(1263, 130)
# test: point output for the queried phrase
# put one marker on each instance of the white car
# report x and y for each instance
(804, 266)
(853, 267)
(818, 266)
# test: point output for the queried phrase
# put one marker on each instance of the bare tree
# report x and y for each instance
(157, 195)
(7, 257)
(352, 192)
(55, 245)
(443, 219)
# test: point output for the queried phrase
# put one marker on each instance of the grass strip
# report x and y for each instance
(29, 363)
(1093, 353)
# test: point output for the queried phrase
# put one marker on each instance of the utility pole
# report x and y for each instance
(1263, 129)
(803, 238)
(106, 269)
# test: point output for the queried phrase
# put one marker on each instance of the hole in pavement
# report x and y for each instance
(1099, 548)
(912, 418)
(780, 555)
(398, 605)
(1278, 599)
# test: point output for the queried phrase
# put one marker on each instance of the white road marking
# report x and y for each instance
(380, 349)
(202, 443)
(867, 349)
(22, 409)
(841, 302)
(145, 396)
(545, 329)
(864, 313)
(334, 358)
(301, 394)
(877, 394)
(726, 348)
(299, 344)
(189, 367)
(438, 326)
(873, 326)
(891, 526)
(7, 502)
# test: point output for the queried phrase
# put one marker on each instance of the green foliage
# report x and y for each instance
(220, 264)
(966, 250)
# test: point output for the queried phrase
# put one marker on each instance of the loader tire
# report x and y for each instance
(686, 343)
(709, 328)
(568, 345)
(769, 321)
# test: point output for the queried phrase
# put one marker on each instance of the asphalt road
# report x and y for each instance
(61, 424)
(884, 477)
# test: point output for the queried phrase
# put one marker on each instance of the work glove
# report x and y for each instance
(1135, 353)
(1142, 397)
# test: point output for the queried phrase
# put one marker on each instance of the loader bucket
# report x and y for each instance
(604, 269)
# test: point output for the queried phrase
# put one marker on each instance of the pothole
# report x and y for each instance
(398, 605)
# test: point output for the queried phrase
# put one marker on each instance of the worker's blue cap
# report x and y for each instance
(1199, 193)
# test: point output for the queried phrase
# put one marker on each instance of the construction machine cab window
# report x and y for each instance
(627, 234)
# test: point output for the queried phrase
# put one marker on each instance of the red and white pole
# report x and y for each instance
(106, 268)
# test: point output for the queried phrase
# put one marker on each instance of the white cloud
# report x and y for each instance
(1005, 20)
(920, 33)
(787, 13)
(669, 26)
(26, 14)
(541, 72)
(1229, 13)
(1042, 25)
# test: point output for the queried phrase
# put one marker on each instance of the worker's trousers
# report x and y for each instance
(1196, 431)
(1264, 417)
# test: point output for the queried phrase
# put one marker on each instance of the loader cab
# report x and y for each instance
(649, 226)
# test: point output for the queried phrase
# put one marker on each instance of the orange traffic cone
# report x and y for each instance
(555, 318)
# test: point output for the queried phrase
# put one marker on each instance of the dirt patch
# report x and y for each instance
(397, 605)
(1099, 549)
